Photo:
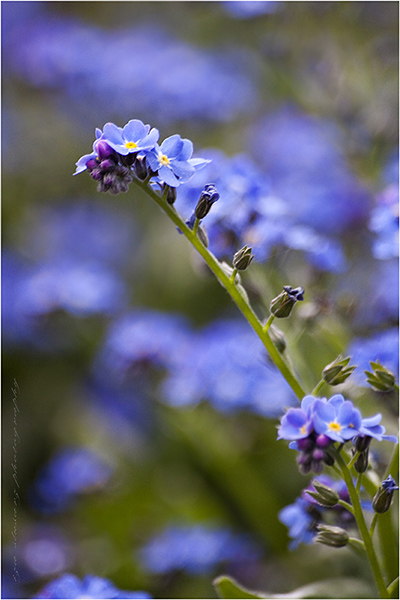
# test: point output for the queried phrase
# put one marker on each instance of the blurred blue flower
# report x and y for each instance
(245, 9)
(80, 289)
(169, 83)
(196, 549)
(249, 214)
(141, 339)
(382, 346)
(69, 586)
(384, 223)
(308, 170)
(71, 472)
(225, 364)
(300, 521)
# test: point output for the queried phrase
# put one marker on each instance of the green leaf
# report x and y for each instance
(229, 588)
(328, 588)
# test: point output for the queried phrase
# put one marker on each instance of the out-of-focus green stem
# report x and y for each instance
(231, 287)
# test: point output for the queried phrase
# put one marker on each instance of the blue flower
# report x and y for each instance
(297, 423)
(70, 472)
(172, 161)
(382, 346)
(133, 137)
(389, 484)
(196, 549)
(82, 162)
(370, 427)
(337, 418)
(300, 521)
(69, 586)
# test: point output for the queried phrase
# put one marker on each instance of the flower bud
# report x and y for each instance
(172, 195)
(92, 164)
(324, 495)
(381, 379)
(282, 305)
(383, 498)
(207, 198)
(361, 463)
(278, 338)
(140, 167)
(337, 371)
(336, 537)
(362, 442)
(242, 258)
(104, 150)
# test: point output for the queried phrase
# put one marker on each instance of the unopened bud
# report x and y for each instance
(337, 371)
(383, 498)
(278, 338)
(381, 379)
(361, 463)
(172, 195)
(242, 258)
(362, 442)
(323, 494)
(282, 305)
(207, 198)
(332, 536)
(140, 167)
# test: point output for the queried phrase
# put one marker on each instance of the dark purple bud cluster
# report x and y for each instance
(111, 176)
(314, 453)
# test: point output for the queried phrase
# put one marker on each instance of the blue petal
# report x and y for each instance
(172, 146)
(135, 130)
(167, 176)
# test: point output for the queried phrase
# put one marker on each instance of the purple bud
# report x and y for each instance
(104, 150)
(304, 444)
(323, 441)
(97, 174)
(107, 164)
(91, 164)
(318, 454)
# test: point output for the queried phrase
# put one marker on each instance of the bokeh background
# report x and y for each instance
(139, 411)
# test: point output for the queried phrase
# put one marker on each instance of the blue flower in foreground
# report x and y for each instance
(301, 523)
(196, 549)
(133, 137)
(71, 472)
(69, 586)
(337, 418)
(172, 161)
(81, 164)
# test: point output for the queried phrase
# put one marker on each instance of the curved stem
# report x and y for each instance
(318, 387)
(359, 516)
(238, 297)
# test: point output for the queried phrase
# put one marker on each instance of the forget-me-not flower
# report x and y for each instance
(133, 137)
(172, 161)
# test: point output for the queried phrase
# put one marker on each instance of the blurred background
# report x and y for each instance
(139, 410)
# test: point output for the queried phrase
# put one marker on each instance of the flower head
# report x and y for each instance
(172, 161)
(133, 137)
(337, 418)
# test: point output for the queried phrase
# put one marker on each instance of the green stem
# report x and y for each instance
(233, 276)
(347, 506)
(359, 516)
(318, 387)
(231, 288)
(268, 323)
(357, 544)
(353, 460)
(373, 524)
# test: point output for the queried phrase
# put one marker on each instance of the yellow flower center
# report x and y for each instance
(303, 429)
(130, 145)
(334, 426)
(163, 159)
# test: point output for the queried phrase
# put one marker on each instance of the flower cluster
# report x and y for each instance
(313, 429)
(120, 153)
(303, 516)
(69, 586)
(196, 549)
